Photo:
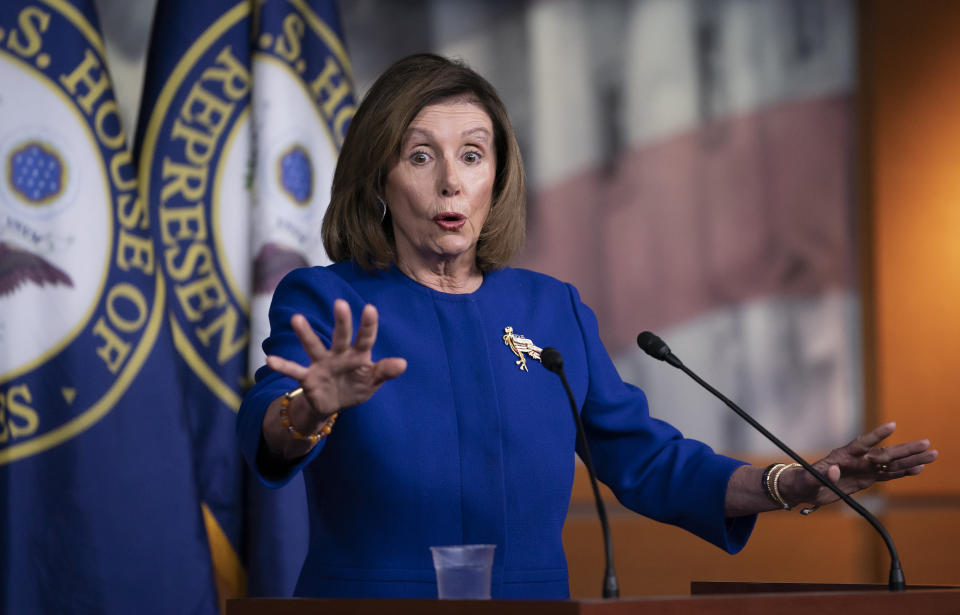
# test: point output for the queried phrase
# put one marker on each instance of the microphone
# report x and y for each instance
(658, 349)
(553, 361)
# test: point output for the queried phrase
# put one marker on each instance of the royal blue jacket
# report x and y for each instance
(465, 446)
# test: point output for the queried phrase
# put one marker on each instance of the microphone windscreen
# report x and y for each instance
(653, 345)
(551, 359)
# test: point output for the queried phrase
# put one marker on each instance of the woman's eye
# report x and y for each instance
(419, 158)
(471, 157)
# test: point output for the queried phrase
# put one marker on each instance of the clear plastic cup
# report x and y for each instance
(463, 571)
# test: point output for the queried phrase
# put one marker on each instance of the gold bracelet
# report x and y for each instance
(765, 482)
(776, 483)
(769, 475)
(313, 438)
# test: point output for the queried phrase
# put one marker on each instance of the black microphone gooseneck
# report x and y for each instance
(656, 348)
(553, 361)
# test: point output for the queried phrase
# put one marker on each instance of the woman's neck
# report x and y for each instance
(458, 276)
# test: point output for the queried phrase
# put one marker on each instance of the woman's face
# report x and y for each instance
(440, 189)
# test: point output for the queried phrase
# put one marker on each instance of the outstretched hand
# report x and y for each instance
(860, 464)
(343, 375)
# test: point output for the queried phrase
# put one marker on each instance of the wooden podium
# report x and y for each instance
(706, 599)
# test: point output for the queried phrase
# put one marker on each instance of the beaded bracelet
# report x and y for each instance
(313, 438)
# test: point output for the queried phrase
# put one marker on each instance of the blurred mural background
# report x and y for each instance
(690, 167)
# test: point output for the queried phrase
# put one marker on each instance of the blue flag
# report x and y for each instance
(99, 511)
(245, 107)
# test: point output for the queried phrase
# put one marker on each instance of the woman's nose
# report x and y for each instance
(449, 179)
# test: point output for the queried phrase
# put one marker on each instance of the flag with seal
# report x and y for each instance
(99, 510)
(246, 104)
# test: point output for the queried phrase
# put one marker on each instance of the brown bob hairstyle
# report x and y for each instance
(353, 227)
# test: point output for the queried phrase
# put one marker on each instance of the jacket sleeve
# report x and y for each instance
(298, 293)
(647, 463)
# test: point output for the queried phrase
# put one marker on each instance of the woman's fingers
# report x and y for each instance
(869, 440)
(889, 454)
(342, 327)
(367, 334)
(342, 331)
(343, 362)
(833, 473)
(387, 369)
(287, 368)
(899, 474)
(862, 463)
(908, 460)
(308, 339)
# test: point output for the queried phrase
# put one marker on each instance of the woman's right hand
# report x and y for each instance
(339, 377)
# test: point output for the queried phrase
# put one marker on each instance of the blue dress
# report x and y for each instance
(465, 446)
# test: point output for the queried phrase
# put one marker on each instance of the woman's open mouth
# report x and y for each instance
(450, 221)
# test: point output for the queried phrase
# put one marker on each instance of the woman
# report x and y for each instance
(447, 429)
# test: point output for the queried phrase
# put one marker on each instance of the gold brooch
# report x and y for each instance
(519, 345)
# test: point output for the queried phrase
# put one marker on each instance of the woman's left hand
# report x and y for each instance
(858, 465)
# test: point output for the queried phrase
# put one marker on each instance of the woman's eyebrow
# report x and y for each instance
(480, 132)
(417, 132)
(418, 135)
(477, 132)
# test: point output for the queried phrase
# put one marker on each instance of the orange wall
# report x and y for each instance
(911, 133)
(910, 229)
(911, 123)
